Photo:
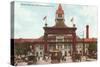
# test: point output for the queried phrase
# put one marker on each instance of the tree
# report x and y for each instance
(92, 48)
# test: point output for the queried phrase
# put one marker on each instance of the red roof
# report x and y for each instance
(90, 39)
(52, 38)
(59, 10)
(21, 40)
(39, 39)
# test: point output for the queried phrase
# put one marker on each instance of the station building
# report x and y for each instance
(58, 38)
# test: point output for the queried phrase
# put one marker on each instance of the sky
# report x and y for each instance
(29, 23)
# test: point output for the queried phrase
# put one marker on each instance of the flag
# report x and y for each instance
(44, 17)
(72, 19)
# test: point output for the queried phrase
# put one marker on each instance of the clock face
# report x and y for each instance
(59, 15)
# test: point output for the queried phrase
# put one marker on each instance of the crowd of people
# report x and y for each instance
(32, 59)
(28, 60)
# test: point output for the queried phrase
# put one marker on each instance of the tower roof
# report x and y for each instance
(59, 10)
(60, 23)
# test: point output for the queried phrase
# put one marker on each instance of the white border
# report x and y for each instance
(5, 32)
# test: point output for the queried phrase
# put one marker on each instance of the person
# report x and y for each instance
(62, 58)
(86, 55)
(79, 57)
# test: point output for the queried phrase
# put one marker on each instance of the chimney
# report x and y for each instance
(87, 31)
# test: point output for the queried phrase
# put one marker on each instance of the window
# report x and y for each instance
(59, 40)
(36, 53)
(59, 15)
(41, 53)
(69, 46)
(59, 46)
(41, 47)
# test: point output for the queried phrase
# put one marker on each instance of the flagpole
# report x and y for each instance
(72, 20)
(46, 21)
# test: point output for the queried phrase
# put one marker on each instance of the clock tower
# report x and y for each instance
(59, 17)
